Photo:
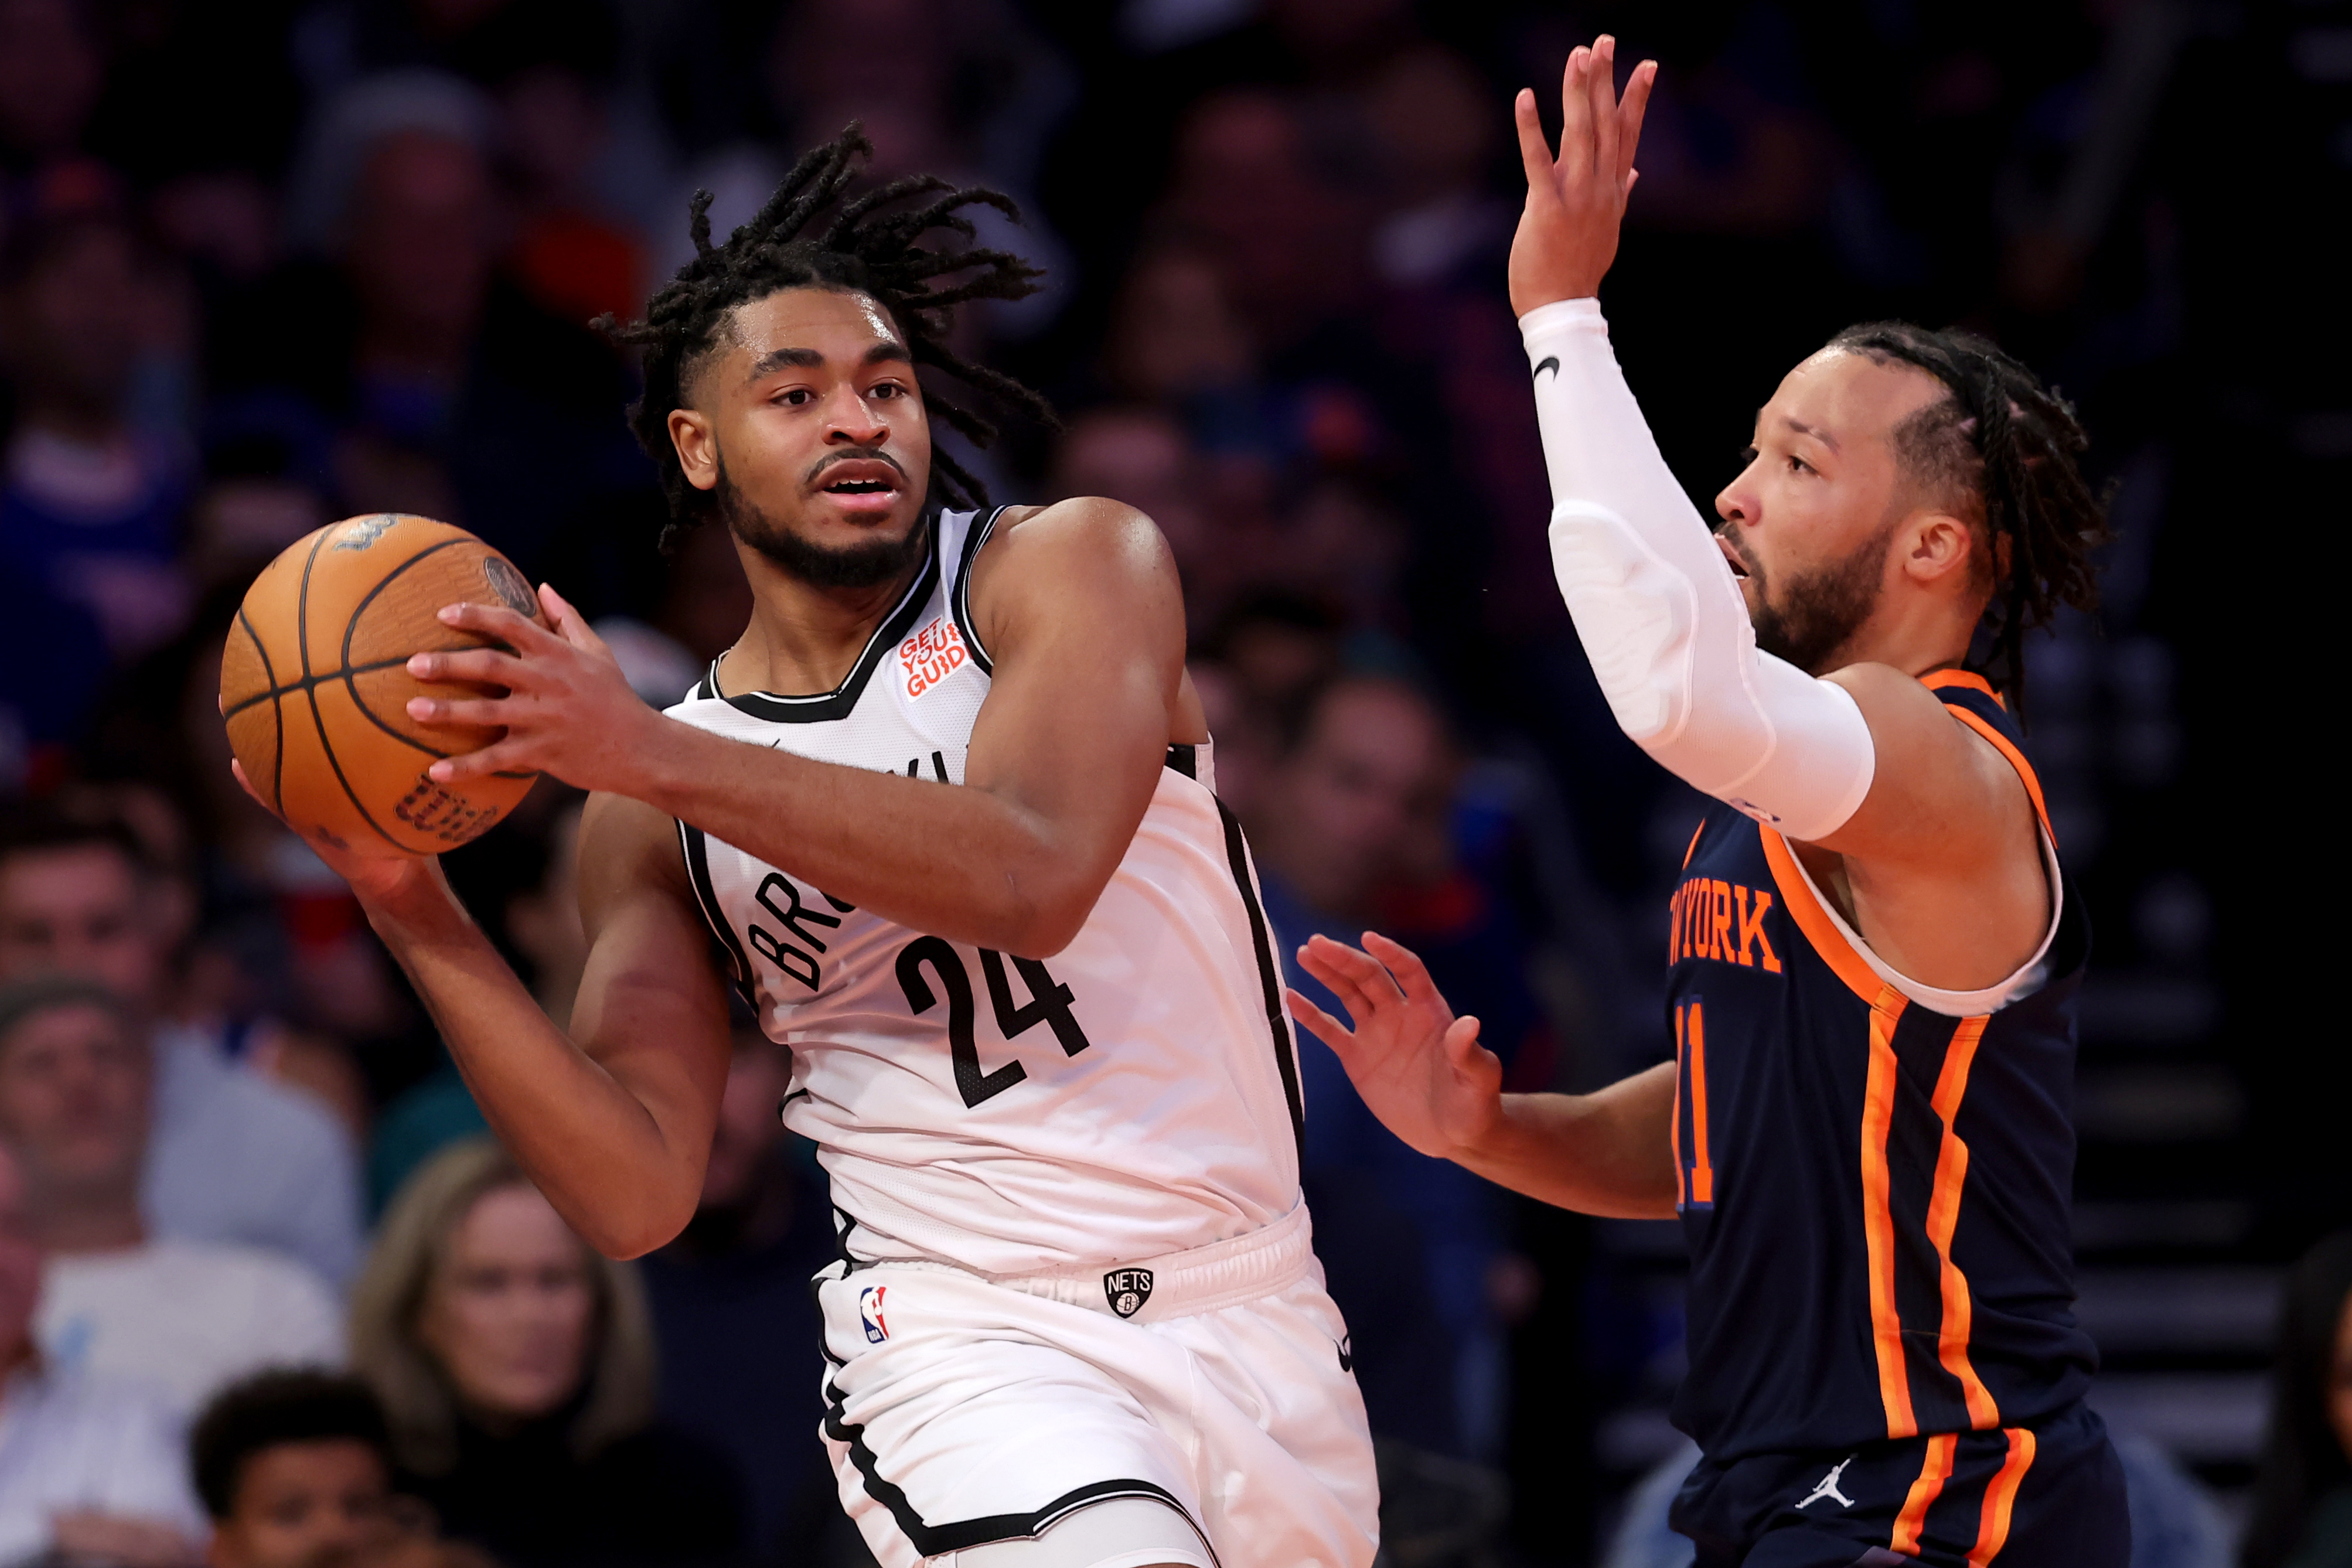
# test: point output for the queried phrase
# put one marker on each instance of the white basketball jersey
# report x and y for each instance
(1135, 1094)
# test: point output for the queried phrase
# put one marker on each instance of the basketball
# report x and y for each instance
(315, 691)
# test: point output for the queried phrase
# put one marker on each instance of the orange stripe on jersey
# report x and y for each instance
(1943, 1218)
(1878, 1220)
(2016, 760)
(1694, 843)
(2000, 1497)
(1936, 680)
(1702, 1173)
(1797, 898)
(1934, 1471)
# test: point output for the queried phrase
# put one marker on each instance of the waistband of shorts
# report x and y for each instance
(1174, 1284)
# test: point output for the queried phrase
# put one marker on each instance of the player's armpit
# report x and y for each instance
(1079, 608)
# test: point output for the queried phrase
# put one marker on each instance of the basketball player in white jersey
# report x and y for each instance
(945, 813)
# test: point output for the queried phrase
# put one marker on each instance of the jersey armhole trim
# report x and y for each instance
(1804, 907)
(960, 601)
(1269, 973)
(697, 850)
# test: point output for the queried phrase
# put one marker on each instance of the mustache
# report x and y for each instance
(853, 454)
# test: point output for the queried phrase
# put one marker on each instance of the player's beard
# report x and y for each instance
(865, 565)
(1816, 613)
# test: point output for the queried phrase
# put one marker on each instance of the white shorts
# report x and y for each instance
(962, 1411)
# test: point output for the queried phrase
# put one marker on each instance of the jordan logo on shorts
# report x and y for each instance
(1128, 1290)
(869, 1312)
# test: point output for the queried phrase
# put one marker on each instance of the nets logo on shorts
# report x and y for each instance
(1128, 1290)
(869, 1312)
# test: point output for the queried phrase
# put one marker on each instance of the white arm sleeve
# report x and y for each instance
(1660, 613)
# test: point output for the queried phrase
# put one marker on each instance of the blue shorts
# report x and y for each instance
(2047, 1496)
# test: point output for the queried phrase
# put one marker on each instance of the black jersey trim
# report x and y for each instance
(696, 848)
(1285, 1057)
(1185, 760)
(960, 601)
(825, 707)
(960, 1535)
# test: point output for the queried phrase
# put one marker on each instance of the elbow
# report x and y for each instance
(1041, 925)
(646, 1227)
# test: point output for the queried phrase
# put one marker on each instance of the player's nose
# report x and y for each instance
(851, 421)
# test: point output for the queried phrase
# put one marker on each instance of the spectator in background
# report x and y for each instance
(232, 1157)
(75, 1087)
(295, 1468)
(50, 74)
(516, 1368)
(737, 1324)
(89, 1464)
(88, 506)
(1362, 789)
(2303, 1491)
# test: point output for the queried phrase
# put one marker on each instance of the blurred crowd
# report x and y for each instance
(269, 1294)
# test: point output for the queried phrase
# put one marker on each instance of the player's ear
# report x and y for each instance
(1940, 545)
(697, 445)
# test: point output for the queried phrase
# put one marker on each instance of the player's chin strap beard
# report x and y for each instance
(1819, 612)
(866, 564)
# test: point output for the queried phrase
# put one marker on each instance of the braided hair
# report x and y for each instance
(2012, 445)
(807, 236)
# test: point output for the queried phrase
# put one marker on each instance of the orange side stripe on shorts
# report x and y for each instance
(1944, 1217)
(1878, 1220)
(1934, 1471)
(1992, 1532)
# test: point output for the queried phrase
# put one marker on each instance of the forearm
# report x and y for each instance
(964, 863)
(591, 1146)
(1659, 612)
(1609, 1153)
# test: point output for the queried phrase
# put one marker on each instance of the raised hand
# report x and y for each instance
(1568, 231)
(1420, 1068)
(568, 709)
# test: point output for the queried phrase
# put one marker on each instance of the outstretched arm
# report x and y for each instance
(1080, 607)
(1652, 597)
(1424, 1073)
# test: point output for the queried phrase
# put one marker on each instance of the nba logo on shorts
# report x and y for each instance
(869, 1312)
(1128, 1290)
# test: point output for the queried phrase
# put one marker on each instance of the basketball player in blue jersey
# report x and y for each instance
(1874, 952)
(945, 815)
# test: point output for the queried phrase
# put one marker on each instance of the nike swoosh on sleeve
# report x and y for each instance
(1549, 363)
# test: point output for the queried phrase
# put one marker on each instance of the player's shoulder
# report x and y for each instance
(1077, 526)
(1087, 554)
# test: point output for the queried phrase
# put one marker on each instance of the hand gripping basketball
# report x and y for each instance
(568, 709)
(1419, 1067)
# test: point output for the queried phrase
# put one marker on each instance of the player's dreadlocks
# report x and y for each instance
(2013, 443)
(868, 245)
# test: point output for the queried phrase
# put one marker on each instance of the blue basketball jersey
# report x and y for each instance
(1874, 1193)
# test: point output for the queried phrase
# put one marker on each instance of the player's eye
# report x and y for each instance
(797, 396)
(1799, 466)
(889, 389)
